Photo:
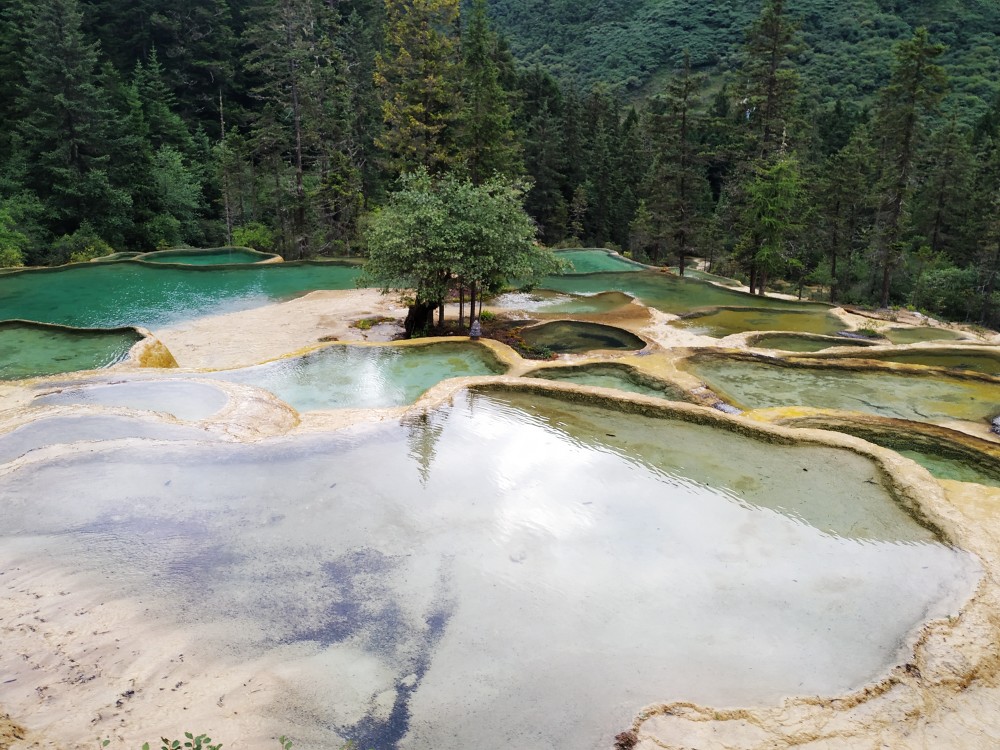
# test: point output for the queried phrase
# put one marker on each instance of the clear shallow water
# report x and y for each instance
(65, 430)
(512, 572)
(574, 337)
(546, 302)
(792, 343)
(672, 294)
(919, 335)
(694, 273)
(953, 359)
(28, 351)
(338, 377)
(109, 295)
(596, 261)
(943, 467)
(220, 256)
(755, 385)
(610, 375)
(724, 322)
(184, 400)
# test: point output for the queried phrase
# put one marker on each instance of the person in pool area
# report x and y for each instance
(475, 330)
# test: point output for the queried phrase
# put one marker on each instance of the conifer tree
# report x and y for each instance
(678, 187)
(487, 139)
(916, 88)
(417, 77)
(65, 134)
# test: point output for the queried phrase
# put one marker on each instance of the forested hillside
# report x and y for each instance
(801, 143)
(847, 53)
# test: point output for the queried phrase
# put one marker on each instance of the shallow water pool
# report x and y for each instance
(109, 295)
(212, 257)
(576, 337)
(611, 375)
(955, 358)
(28, 351)
(338, 377)
(919, 335)
(724, 322)
(184, 400)
(792, 343)
(512, 567)
(923, 398)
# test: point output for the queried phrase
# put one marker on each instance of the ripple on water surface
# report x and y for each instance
(510, 567)
(338, 377)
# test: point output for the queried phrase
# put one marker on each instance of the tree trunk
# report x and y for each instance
(419, 317)
(680, 264)
(461, 305)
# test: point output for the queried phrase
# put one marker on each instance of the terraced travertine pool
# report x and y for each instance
(922, 398)
(110, 295)
(511, 566)
(28, 350)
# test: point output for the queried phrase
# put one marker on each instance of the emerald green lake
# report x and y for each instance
(942, 467)
(28, 351)
(110, 295)
(756, 385)
(213, 257)
(596, 261)
(693, 273)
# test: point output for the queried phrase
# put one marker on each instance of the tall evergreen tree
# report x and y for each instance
(417, 77)
(487, 139)
(916, 88)
(65, 135)
(678, 188)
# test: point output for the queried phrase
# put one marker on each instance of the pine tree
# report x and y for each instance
(65, 134)
(487, 140)
(417, 77)
(915, 89)
(678, 188)
(772, 81)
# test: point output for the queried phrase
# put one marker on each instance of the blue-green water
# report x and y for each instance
(611, 375)
(573, 337)
(110, 295)
(338, 377)
(208, 257)
(28, 350)
(595, 261)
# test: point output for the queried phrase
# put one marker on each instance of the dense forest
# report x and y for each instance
(840, 146)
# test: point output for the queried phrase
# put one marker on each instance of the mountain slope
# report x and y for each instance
(628, 43)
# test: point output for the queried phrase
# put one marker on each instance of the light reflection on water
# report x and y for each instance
(512, 567)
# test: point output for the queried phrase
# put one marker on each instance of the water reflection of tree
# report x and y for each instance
(423, 432)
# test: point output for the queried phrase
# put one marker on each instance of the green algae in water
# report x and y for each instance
(672, 294)
(632, 559)
(213, 257)
(28, 351)
(611, 375)
(943, 467)
(953, 359)
(922, 398)
(111, 295)
(338, 377)
(791, 343)
(725, 322)
(567, 336)
(596, 261)
(919, 335)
